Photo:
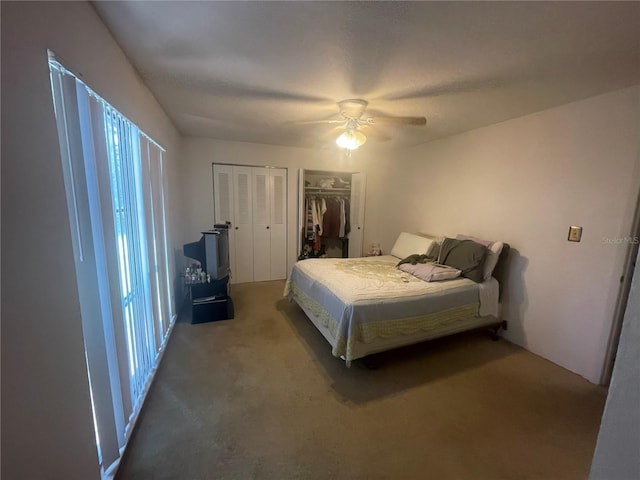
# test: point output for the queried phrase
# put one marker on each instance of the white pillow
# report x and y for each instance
(493, 254)
(410, 244)
(437, 243)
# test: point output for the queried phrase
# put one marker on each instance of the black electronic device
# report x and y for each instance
(212, 251)
(195, 251)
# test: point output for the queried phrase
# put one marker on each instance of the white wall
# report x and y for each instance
(525, 181)
(47, 426)
(197, 178)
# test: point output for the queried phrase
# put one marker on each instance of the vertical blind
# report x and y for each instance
(115, 186)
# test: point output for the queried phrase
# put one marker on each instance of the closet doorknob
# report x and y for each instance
(236, 228)
(267, 227)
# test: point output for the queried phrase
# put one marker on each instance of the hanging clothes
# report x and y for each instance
(314, 214)
(310, 229)
(347, 215)
(321, 209)
(331, 219)
(343, 219)
(326, 216)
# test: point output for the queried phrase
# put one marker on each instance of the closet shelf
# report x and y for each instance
(327, 190)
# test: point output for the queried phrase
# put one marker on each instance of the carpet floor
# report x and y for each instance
(261, 397)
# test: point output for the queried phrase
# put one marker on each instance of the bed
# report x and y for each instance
(368, 305)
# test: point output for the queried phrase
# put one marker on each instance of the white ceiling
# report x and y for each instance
(242, 70)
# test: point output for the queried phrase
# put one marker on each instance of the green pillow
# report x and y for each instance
(465, 255)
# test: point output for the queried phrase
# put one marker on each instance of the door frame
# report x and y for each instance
(301, 213)
(623, 297)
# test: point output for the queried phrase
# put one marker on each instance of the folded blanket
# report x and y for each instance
(430, 272)
(416, 258)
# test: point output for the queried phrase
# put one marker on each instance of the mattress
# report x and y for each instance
(360, 302)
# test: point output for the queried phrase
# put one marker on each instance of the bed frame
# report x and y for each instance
(493, 324)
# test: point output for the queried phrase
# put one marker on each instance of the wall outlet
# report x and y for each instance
(575, 234)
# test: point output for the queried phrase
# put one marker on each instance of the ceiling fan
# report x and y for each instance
(352, 122)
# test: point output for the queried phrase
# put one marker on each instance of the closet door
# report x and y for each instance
(261, 225)
(243, 226)
(254, 201)
(223, 205)
(269, 224)
(358, 184)
(278, 223)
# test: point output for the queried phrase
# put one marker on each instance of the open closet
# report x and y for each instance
(330, 214)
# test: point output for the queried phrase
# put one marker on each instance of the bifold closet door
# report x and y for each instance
(356, 213)
(278, 214)
(243, 226)
(269, 226)
(261, 225)
(223, 206)
(254, 201)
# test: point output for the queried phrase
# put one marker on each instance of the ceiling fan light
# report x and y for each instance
(351, 139)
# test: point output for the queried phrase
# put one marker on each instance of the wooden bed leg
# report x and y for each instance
(368, 363)
(496, 330)
(494, 333)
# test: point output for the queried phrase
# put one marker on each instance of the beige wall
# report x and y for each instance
(47, 426)
(197, 179)
(525, 181)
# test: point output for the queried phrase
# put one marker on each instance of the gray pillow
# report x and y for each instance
(493, 253)
(465, 255)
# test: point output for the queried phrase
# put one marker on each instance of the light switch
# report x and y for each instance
(575, 233)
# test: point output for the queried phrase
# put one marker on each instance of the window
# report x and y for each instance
(114, 181)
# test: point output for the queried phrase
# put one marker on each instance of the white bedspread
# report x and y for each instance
(361, 299)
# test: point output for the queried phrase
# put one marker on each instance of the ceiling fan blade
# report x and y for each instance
(202, 118)
(459, 86)
(315, 122)
(229, 88)
(396, 121)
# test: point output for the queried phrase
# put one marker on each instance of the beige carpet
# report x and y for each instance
(261, 397)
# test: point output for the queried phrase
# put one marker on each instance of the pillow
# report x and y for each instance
(408, 244)
(437, 239)
(493, 253)
(430, 272)
(465, 255)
